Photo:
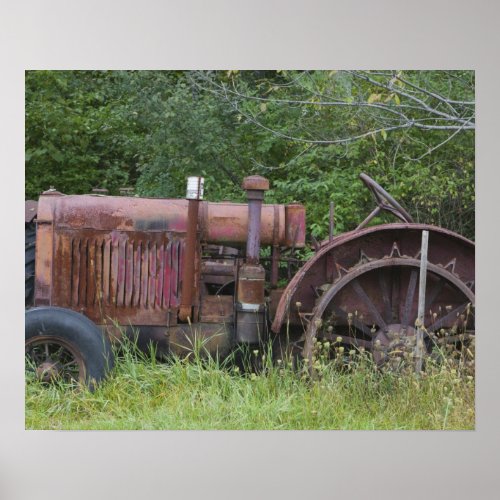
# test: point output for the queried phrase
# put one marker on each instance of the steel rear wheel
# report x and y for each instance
(374, 306)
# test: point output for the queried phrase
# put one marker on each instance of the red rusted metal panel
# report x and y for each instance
(227, 224)
(221, 223)
(217, 309)
(188, 264)
(44, 253)
(121, 259)
(295, 225)
(111, 276)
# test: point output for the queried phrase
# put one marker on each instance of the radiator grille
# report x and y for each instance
(118, 271)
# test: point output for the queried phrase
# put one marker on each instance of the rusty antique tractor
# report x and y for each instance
(169, 271)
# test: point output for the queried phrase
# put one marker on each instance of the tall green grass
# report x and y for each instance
(346, 391)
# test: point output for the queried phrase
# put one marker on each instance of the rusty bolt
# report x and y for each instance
(255, 183)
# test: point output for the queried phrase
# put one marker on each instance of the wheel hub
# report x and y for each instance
(393, 342)
(48, 371)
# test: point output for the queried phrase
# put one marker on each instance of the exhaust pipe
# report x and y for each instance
(194, 193)
(250, 306)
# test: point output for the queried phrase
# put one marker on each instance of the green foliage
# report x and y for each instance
(435, 182)
(80, 132)
(191, 136)
(151, 129)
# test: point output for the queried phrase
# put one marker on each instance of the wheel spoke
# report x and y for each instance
(410, 293)
(448, 317)
(41, 356)
(367, 344)
(59, 352)
(34, 354)
(385, 294)
(395, 292)
(70, 363)
(433, 294)
(367, 301)
(356, 322)
(453, 339)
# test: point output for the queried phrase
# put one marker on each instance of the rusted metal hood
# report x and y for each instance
(219, 223)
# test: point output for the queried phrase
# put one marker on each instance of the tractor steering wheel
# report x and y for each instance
(384, 202)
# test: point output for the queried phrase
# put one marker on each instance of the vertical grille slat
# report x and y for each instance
(160, 274)
(137, 274)
(122, 262)
(82, 289)
(174, 275)
(145, 275)
(129, 272)
(98, 272)
(179, 270)
(75, 271)
(113, 289)
(106, 272)
(91, 272)
(152, 276)
(167, 274)
(103, 273)
(66, 250)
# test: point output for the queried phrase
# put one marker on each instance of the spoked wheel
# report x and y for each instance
(63, 345)
(53, 359)
(374, 306)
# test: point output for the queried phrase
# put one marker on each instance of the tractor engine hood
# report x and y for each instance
(218, 223)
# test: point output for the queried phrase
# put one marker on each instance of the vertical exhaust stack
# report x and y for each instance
(251, 280)
(194, 194)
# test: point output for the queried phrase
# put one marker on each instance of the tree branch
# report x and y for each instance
(424, 105)
(449, 138)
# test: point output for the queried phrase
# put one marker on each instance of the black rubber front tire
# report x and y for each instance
(29, 263)
(76, 334)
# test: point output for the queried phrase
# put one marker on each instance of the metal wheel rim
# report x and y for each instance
(62, 360)
(315, 322)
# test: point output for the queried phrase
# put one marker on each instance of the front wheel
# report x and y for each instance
(61, 344)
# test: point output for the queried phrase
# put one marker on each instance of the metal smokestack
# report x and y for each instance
(255, 187)
(194, 193)
(250, 305)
